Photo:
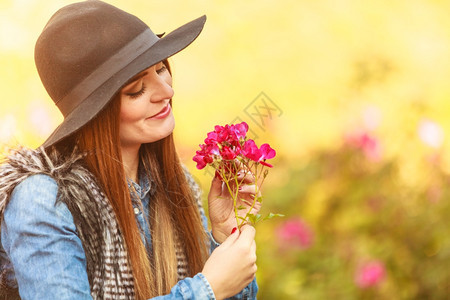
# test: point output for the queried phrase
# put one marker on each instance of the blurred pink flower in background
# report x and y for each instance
(371, 117)
(367, 142)
(370, 274)
(295, 233)
(431, 133)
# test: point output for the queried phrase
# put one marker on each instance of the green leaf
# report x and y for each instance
(271, 215)
(258, 217)
(259, 199)
(254, 218)
(240, 207)
(251, 218)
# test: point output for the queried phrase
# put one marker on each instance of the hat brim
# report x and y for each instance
(165, 47)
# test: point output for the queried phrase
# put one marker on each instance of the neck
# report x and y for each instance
(130, 158)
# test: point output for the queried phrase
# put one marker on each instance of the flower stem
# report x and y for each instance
(234, 196)
(256, 190)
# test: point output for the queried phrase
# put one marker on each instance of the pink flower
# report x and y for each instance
(368, 143)
(206, 155)
(228, 142)
(370, 274)
(222, 133)
(211, 138)
(228, 150)
(227, 153)
(231, 134)
(266, 153)
(240, 130)
(251, 151)
(295, 233)
(200, 160)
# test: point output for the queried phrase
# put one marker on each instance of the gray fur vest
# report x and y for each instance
(108, 265)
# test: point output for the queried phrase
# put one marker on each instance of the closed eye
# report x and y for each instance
(161, 70)
(138, 93)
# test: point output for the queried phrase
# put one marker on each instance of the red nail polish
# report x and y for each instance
(233, 230)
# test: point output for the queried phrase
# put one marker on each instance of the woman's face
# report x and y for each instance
(145, 112)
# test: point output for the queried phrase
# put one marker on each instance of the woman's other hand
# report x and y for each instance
(232, 265)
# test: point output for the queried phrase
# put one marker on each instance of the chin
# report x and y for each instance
(169, 129)
(164, 134)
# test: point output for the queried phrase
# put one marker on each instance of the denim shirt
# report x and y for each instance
(43, 255)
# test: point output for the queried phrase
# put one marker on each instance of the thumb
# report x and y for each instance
(216, 188)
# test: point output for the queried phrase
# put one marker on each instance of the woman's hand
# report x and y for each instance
(220, 205)
(232, 265)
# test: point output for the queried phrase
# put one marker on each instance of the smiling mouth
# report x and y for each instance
(163, 113)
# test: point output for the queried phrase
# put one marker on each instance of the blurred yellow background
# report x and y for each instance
(301, 73)
(322, 62)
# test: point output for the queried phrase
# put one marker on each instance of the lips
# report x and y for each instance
(163, 113)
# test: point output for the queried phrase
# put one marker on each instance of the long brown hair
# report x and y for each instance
(174, 216)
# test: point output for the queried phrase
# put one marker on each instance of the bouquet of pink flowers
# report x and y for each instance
(235, 157)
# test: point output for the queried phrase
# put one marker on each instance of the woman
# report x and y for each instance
(104, 209)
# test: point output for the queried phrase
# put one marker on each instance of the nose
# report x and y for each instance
(161, 87)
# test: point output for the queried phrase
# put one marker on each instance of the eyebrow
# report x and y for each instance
(135, 78)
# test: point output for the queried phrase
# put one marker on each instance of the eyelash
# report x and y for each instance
(162, 70)
(141, 92)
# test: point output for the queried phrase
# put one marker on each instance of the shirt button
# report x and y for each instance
(136, 210)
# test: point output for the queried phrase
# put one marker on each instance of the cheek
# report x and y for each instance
(129, 114)
(169, 79)
(129, 120)
(125, 116)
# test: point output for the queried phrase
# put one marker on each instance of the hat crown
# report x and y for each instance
(78, 39)
(89, 50)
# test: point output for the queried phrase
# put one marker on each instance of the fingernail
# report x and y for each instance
(240, 188)
(233, 230)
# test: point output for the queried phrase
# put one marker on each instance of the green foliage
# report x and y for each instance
(271, 215)
(360, 210)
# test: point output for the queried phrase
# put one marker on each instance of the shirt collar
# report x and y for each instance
(145, 184)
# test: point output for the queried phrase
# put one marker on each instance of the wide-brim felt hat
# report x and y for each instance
(89, 50)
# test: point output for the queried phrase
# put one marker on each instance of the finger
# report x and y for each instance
(256, 207)
(232, 237)
(216, 188)
(253, 247)
(246, 176)
(249, 189)
(247, 234)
